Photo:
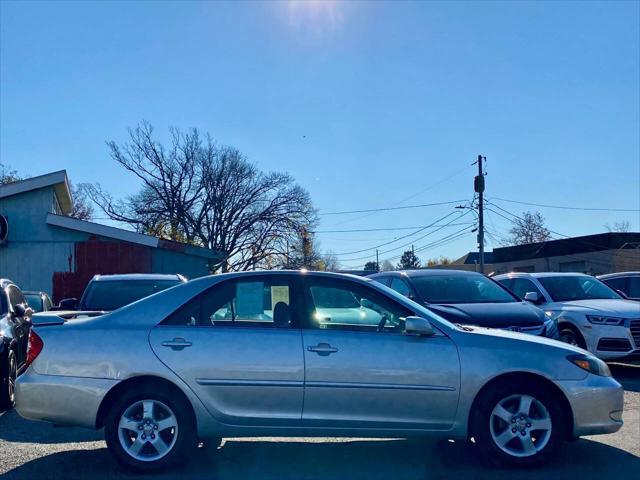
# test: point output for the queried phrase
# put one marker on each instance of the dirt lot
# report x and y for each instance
(30, 450)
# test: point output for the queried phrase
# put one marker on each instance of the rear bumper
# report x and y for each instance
(597, 404)
(69, 401)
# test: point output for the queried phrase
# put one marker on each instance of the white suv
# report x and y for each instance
(589, 314)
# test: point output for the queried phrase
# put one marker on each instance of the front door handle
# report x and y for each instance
(177, 344)
(323, 349)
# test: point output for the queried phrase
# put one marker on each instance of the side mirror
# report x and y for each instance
(532, 297)
(418, 326)
(68, 304)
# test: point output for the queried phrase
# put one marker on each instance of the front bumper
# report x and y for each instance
(597, 404)
(69, 401)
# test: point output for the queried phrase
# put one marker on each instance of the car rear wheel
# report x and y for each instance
(518, 425)
(7, 396)
(150, 429)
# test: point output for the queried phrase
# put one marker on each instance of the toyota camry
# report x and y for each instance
(307, 354)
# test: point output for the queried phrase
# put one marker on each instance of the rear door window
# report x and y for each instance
(260, 301)
(634, 287)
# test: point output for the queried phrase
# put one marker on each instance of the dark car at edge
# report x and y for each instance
(15, 324)
(469, 298)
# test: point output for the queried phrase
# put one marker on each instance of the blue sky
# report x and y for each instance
(367, 105)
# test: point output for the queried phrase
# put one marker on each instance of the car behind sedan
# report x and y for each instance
(589, 313)
(289, 354)
(469, 298)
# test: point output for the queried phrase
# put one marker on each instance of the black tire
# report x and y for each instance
(482, 425)
(571, 335)
(185, 433)
(7, 395)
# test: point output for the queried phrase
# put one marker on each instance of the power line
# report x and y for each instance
(385, 209)
(564, 207)
(397, 239)
(386, 229)
(407, 244)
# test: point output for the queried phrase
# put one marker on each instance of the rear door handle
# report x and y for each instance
(322, 349)
(177, 344)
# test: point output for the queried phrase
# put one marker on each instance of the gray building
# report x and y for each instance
(594, 254)
(45, 249)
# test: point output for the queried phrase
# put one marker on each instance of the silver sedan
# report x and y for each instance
(307, 354)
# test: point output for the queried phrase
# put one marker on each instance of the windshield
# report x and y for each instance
(34, 300)
(460, 289)
(112, 294)
(565, 289)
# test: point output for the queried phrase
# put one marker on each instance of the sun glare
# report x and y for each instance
(318, 16)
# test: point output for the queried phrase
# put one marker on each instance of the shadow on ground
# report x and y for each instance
(627, 375)
(14, 428)
(375, 459)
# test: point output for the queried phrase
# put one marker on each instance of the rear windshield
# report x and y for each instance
(460, 289)
(113, 294)
(34, 300)
(566, 289)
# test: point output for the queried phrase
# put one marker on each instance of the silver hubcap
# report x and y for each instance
(148, 430)
(13, 372)
(520, 425)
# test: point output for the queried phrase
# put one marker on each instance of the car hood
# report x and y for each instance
(619, 308)
(491, 315)
(507, 335)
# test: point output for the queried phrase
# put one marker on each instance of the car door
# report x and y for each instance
(238, 345)
(362, 371)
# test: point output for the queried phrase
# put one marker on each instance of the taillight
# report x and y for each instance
(34, 348)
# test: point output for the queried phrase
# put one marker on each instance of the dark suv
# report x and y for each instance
(469, 298)
(15, 324)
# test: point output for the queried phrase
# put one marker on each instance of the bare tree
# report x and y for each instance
(621, 226)
(81, 207)
(197, 192)
(386, 266)
(8, 175)
(529, 228)
(442, 260)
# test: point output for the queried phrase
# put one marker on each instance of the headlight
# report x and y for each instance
(599, 320)
(590, 364)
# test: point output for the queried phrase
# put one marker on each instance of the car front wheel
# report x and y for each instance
(148, 430)
(518, 425)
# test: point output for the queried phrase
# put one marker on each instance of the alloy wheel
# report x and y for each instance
(11, 381)
(148, 430)
(520, 425)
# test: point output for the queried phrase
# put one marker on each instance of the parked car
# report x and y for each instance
(38, 301)
(626, 282)
(15, 318)
(469, 298)
(259, 353)
(110, 292)
(589, 314)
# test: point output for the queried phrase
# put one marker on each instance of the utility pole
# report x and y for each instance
(478, 186)
(377, 261)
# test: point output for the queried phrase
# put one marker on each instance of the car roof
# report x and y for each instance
(542, 274)
(138, 276)
(426, 272)
(5, 281)
(619, 275)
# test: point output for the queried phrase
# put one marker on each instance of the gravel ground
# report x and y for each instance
(30, 450)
